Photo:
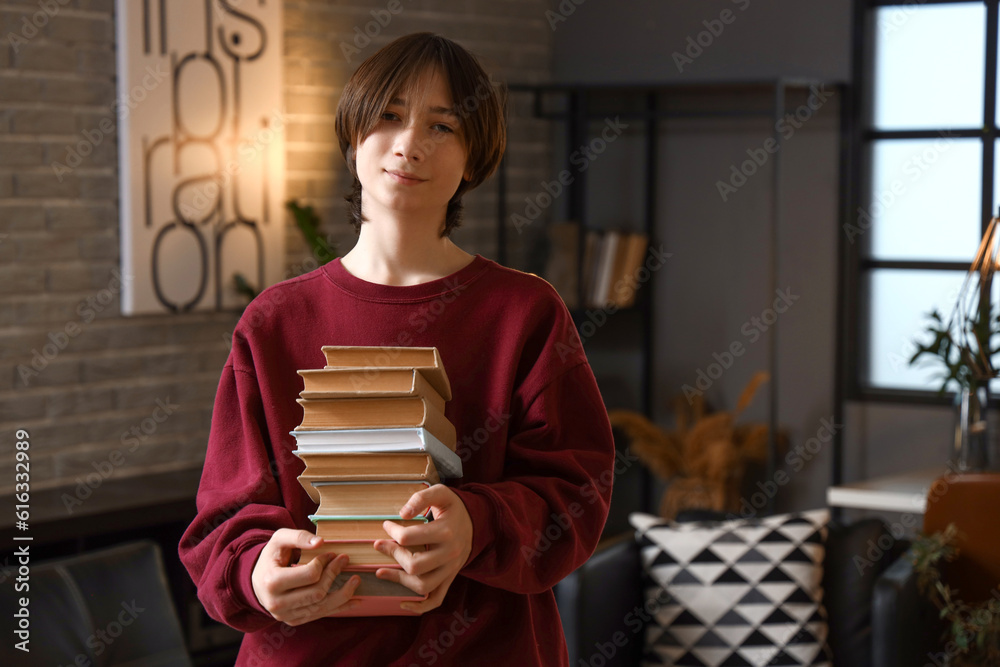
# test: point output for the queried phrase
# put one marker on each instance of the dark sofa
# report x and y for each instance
(876, 617)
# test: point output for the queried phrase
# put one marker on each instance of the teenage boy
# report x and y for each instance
(419, 124)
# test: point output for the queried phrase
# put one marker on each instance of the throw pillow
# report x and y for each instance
(738, 592)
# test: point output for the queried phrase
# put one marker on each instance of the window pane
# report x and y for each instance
(900, 302)
(930, 66)
(996, 176)
(926, 199)
(997, 121)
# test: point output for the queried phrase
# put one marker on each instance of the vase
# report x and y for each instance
(970, 450)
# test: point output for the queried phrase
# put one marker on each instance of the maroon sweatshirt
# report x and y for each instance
(533, 435)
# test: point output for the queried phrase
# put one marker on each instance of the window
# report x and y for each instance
(928, 180)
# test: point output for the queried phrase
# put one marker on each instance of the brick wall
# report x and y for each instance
(87, 382)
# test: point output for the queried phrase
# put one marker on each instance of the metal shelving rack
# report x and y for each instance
(576, 114)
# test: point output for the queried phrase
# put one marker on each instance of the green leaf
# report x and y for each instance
(308, 223)
(960, 638)
(243, 287)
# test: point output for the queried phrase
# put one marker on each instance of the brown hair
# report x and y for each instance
(480, 104)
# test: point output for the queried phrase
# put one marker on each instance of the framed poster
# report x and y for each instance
(201, 151)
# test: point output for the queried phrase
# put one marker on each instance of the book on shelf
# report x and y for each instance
(362, 553)
(359, 528)
(617, 258)
(603, 282)
(635, 253)
(322, 414)
(380, 440)
(427, 360)
(344, 383)
(560, 269)
(617, 281)
(591, 241)
(352, 498)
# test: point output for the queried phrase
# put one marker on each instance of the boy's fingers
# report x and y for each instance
(423, 584)
(314, 594)
(400, 533)
(434, 599)
(345, 607)
(304, 575)
(340, 599)
(421, 501)
(432, 532)
(286, 540)
(414, 562)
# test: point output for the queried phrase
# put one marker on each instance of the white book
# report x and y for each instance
(605, 266)
(380, 440)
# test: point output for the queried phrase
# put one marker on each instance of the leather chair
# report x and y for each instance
(106, 607)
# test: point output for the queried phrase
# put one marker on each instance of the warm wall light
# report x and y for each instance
(201, 151)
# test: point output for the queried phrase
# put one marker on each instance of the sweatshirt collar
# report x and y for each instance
(348, 282)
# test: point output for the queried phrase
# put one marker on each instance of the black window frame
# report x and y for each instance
(855, 261)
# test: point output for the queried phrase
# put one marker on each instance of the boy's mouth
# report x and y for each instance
(404, 177)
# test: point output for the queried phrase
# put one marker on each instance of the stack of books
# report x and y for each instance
(373, 433)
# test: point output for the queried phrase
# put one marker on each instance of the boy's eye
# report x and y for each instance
(440, 127)
(388, 115)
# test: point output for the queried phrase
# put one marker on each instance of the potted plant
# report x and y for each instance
(972, 632)
(964, 346)
(308, 223)
(704, 458)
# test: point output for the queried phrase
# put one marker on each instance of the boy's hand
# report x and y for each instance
(297, 594)
(449, 542)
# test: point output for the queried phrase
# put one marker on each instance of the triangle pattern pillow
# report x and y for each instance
(740, 592)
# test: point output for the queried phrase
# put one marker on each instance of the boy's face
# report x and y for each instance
(414, 159)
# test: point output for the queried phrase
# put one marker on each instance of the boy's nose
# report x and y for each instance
(409, 145)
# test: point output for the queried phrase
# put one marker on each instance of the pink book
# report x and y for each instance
(377, 596)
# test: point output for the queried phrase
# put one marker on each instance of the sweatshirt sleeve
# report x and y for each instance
(239, 504)
(544, 519)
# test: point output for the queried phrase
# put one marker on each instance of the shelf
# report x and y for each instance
(576, 106)
(115, 504)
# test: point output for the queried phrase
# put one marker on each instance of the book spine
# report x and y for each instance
(438, 425)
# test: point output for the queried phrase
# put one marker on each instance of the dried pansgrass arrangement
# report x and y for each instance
(704, 458)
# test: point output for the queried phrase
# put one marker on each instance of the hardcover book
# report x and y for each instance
(427, 360)
(372, 586)
(378, 597)
(353, 498)
(354, 528)
(361, 552)
(390, 440)
(365, 467)
(362, 413)
(368, 383)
